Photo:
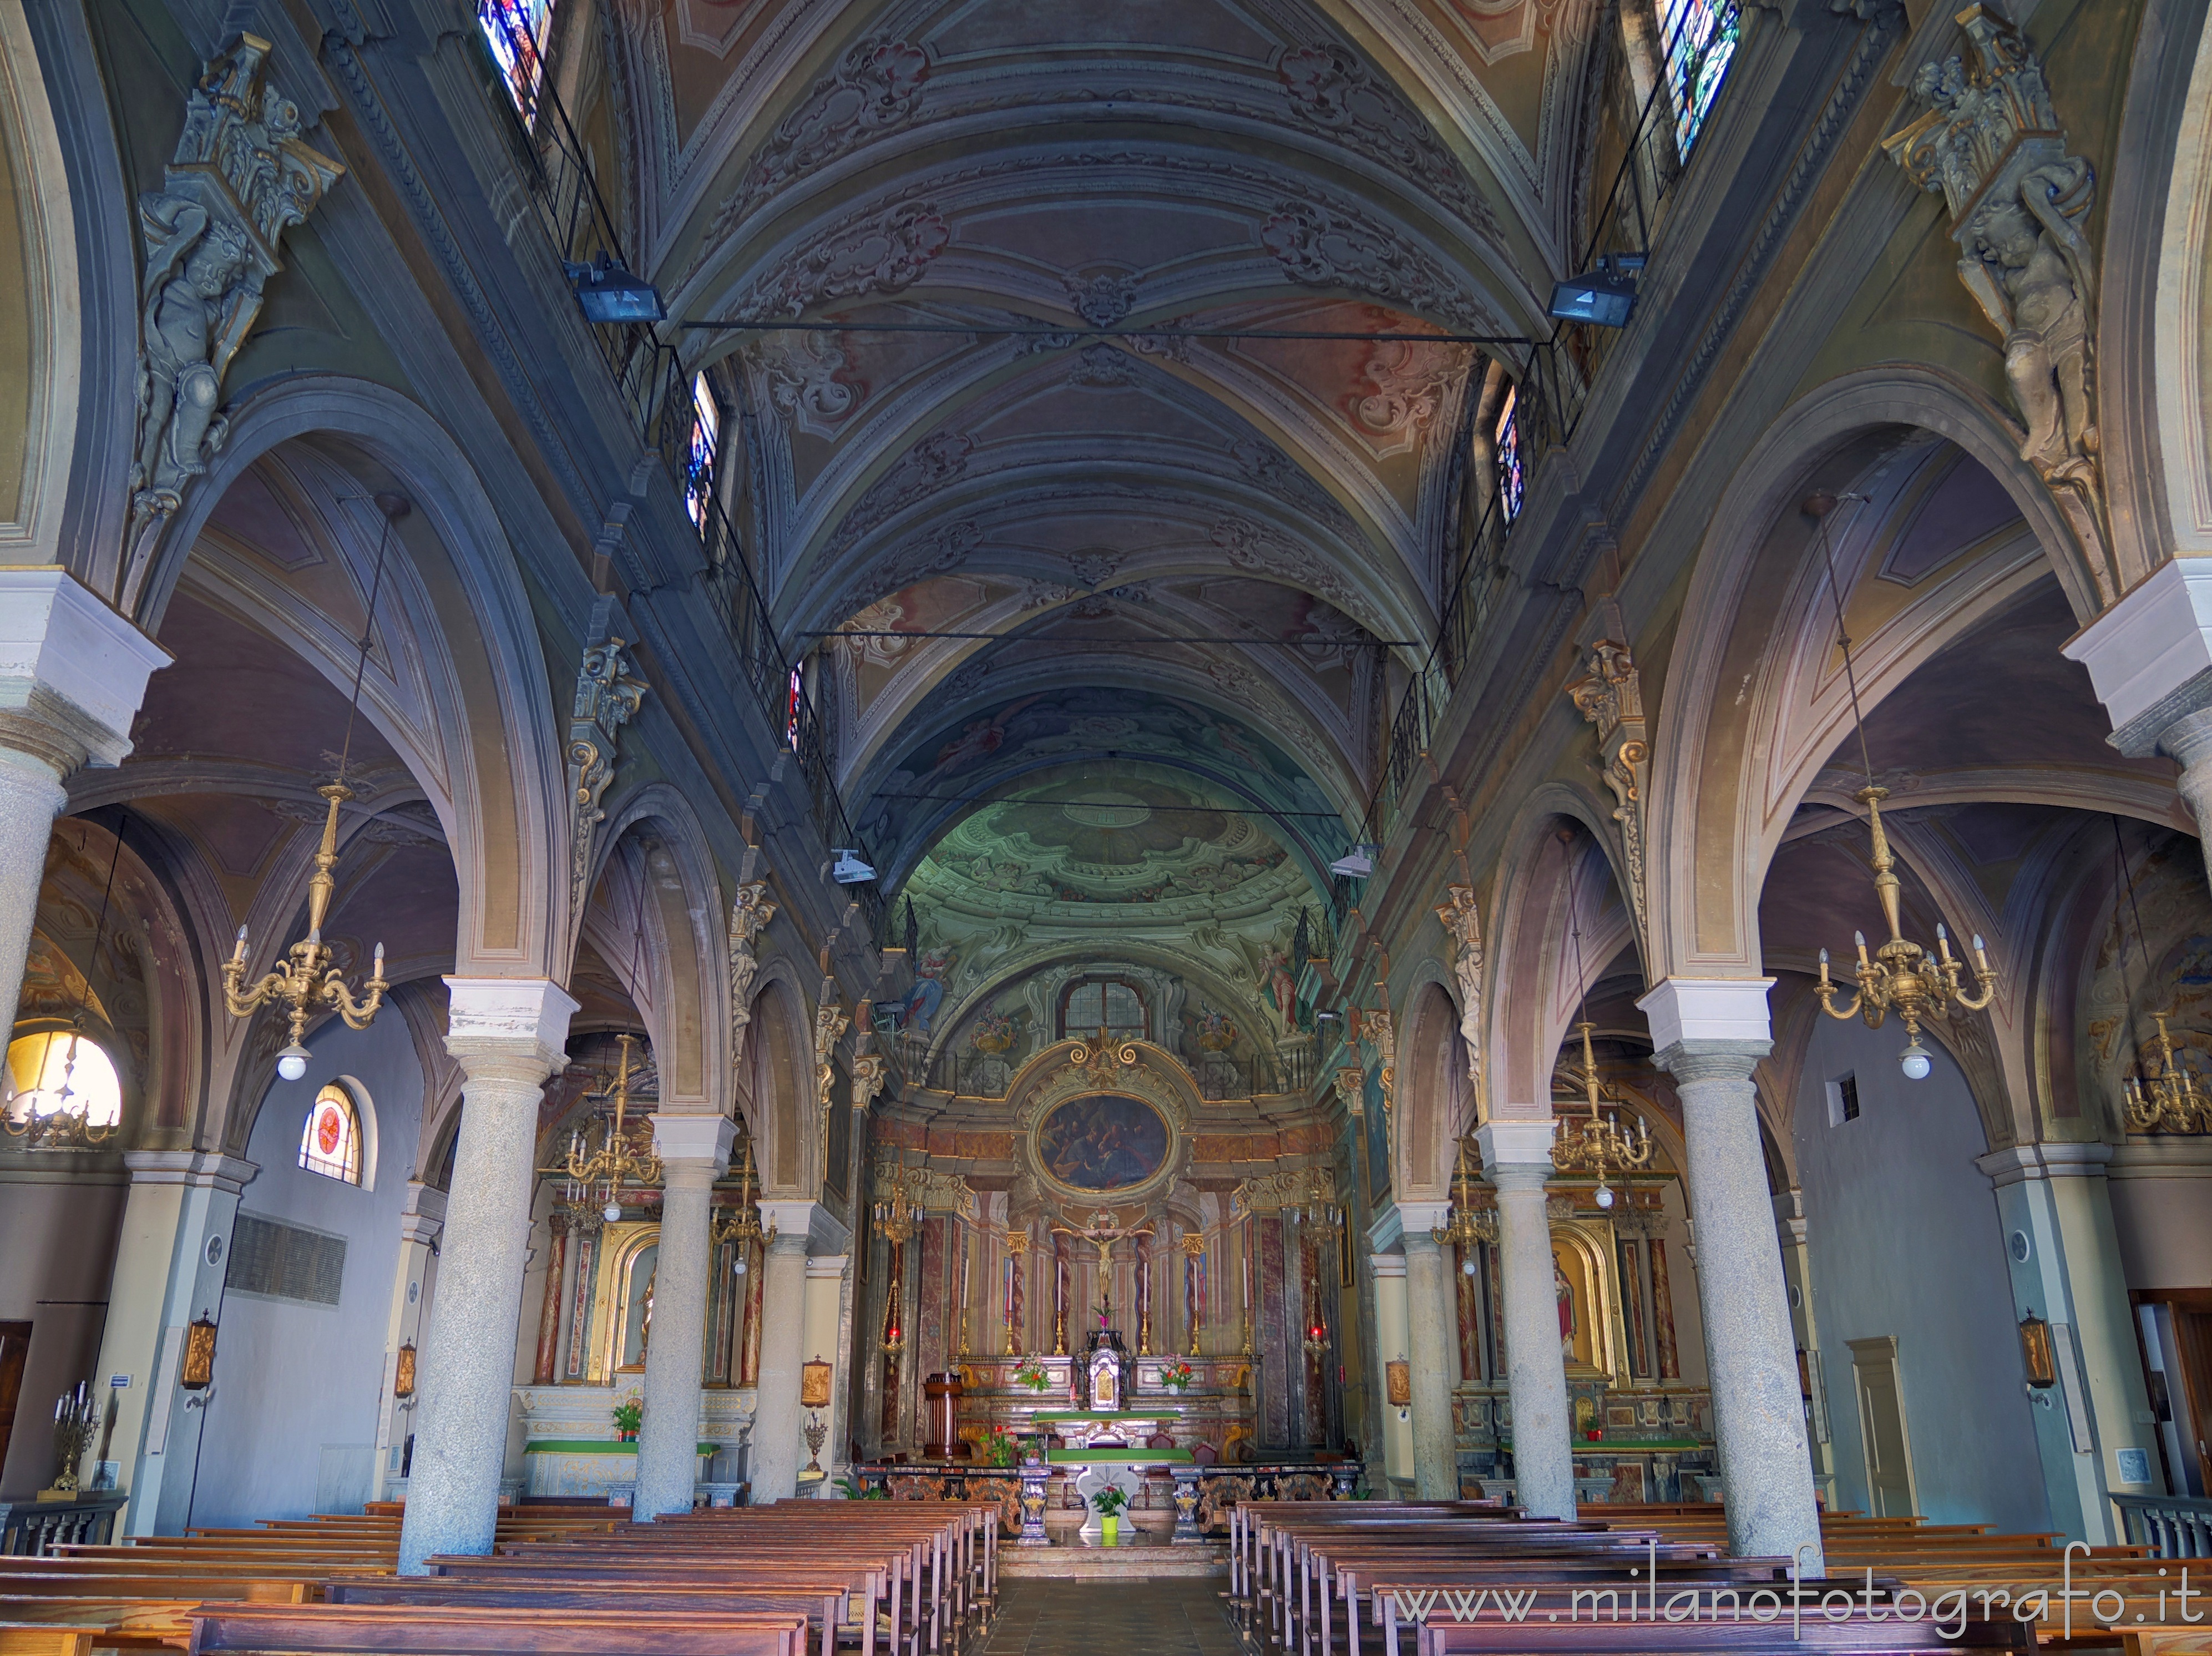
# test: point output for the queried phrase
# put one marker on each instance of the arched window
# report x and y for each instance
(1505, 446)
(706, 448)
(1107, 1003)
(515, 30)
(59, 1069)
(330, 1144)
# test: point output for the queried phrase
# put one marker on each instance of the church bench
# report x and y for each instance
(1858, 1636)
(824, 1602)
(70, 1584)
(21, 1639)
(1387, 1586)
(404, 1629)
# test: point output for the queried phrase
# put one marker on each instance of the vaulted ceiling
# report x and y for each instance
(1225, 520)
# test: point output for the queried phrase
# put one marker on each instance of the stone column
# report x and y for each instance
(2149, 658)
(1710, 1034)
(72, 673)
(1517, 1159)
(508, 1035)
(776, 1459)
(694, 1149)
(1429, 1343)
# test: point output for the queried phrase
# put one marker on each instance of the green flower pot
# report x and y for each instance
(1110, 1529)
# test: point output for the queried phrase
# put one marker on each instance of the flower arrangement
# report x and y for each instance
(1177, 1375)
(1032, 1375)
(629, 1415)
(997, 1447)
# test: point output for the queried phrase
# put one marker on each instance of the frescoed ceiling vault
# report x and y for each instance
(1181, 570)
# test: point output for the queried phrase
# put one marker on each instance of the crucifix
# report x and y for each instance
(1103, 1231)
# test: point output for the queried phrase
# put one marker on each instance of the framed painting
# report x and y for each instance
(1102, 1143)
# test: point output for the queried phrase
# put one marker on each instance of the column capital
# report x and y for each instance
(72, 671)
(201, 1169)
(2020, 1164)
(1386, 1266)
(1416, 1219)
(495, 1022)
(807, 1226)
(2149, 656)
(1515, 1145)
(1701, 1010)
(693, 1138)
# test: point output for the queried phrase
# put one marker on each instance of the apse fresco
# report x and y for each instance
(1102, 1143)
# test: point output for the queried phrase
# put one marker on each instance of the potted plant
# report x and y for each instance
(997, 1447)
(1177, 1375)
(1109, 1503)
(1032, 1375)
(629, 1415)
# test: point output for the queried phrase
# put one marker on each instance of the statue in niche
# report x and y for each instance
(1564, 1291)
(645, 1328)
(1282, 987)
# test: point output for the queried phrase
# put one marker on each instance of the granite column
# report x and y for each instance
(694, 1149)
(1517, 1159)
(1710, 1034)
(508, 1035)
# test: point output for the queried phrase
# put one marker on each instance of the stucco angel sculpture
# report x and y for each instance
(201, 295)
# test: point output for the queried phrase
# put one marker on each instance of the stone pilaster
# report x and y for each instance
(72, 673)
(1429, 1339)
(508, 1035)
(776, 1457)
(2149, 658)
(1517, 1159)
(1710, 1034)
(693, 1150)
(421, 1218)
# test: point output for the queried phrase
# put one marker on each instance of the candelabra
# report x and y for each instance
(1596, 1143)
(2165, 1097)
(816, 1433)
(1465, 1224)
(742, 1223)
(76, 1422)
(615, 1159)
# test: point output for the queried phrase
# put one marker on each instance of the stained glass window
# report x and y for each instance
(705, 441)
(60, 1070)
(791, 725)
(1700, 37)
(513, 28)
(330, 1144)
(1505, 443)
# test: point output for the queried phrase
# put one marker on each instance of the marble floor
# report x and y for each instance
(1172, 1617)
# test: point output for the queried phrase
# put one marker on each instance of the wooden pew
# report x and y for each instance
(821, 1601)
(403, 1630)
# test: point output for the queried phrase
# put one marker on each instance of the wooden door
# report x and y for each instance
(1882, 1436)
(14, 1347)
(2192, 1338)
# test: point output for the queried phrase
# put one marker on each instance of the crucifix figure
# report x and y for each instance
(1103, 1231)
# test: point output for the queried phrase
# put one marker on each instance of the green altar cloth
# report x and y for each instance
(1117, 1456)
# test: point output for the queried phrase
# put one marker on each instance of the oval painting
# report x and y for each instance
(1103, 1142)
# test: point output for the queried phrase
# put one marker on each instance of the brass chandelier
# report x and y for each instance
(1900, 976)
(309, 979)
(605, 1167)
(1465, 1224)
(1596, 1142)
(2163, 1097)
(742, 1224)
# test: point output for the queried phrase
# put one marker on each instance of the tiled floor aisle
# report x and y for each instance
(1167, 1618)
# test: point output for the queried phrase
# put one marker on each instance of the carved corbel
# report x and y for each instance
(749, 914)
(607, 698)
(1351, 1091)
(1612, 699)
(831, 1020)
(1375, 1028)
(1462, 922)
(871, 1071)
(241, 177)
(1990, 144)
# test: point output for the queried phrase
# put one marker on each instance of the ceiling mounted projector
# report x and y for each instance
(1604, 297)
(849, 870)
(1357, 863)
